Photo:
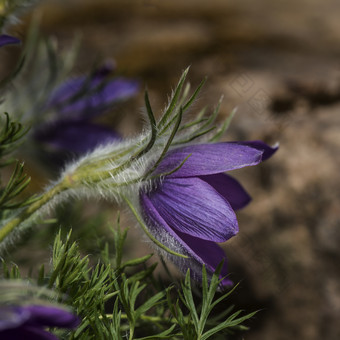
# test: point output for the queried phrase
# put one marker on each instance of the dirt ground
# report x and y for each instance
(279, 63)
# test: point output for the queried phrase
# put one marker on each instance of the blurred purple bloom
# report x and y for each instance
(76, 102)
(78, 137)
(84, 97)
(193, 208)
(29, 322)
(8, 40)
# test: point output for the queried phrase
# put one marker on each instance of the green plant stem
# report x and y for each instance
(132, 331)
(30, 210)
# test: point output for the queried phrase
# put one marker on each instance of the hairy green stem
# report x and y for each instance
(34, 207)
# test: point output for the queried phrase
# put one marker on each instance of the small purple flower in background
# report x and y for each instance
(192, 208)
(77, 137)
(30, 322)
(8, 40)
(76, 102)
(87, 96)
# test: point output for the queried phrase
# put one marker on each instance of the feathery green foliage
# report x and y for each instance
(197, 323)
(11, 135)
(119, 300)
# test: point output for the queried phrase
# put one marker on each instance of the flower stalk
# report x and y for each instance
(33, 208)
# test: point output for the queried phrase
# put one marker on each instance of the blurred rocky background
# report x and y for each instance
(279, 63)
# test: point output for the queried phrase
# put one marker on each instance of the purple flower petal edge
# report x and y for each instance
(229, 188)
(199, 252)
(11, 317)
(208, 159)
(51, 316)
(267, 151)
(27, 333)
(29, 322)
(182, 203)
(84, 98)
(208, 253)
(8, 40)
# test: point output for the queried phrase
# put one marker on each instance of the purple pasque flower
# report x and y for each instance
(87, 96)
(30, 322)
(193, 208)
(74, 136)
(8, 40)
(76, 103)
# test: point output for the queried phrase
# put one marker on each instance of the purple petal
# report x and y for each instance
(268, 151)
(208, 159)
(199, 251)
(11, 317)
(79, 86)
(27, 333)
(102, 97)
(193, 207)
(7, 40)
(229, 188)
(75, 136)
(28, 322)
(51, 317)
(208, 253)
(69, 89)
(83, 97)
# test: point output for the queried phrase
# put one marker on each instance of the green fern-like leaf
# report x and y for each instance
(11, 134)
(197, 321)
